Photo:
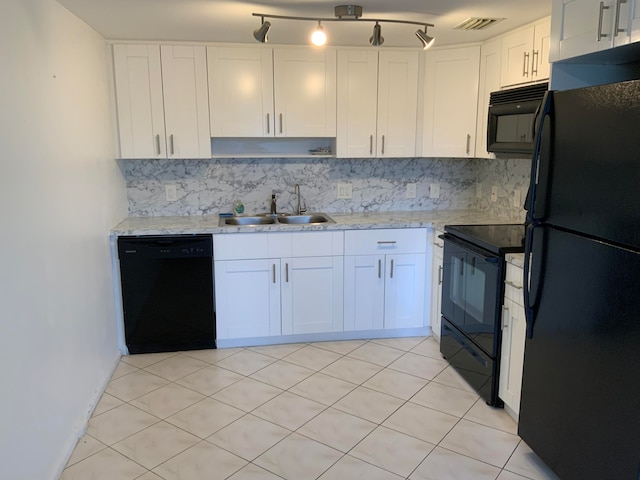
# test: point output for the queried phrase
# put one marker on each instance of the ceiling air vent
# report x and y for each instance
(475, 23)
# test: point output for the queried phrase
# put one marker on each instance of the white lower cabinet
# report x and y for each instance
(292, 285)
(514, 330)
(436, 284)
(384, 279)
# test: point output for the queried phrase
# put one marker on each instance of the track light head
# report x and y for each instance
(376, 39)
(260, 33)
(318, 37)
(426, 40)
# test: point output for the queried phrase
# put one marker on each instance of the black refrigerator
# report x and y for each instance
(580, 407)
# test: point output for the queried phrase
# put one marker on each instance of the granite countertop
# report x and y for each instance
(344, 221)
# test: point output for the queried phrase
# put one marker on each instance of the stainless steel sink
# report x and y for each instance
(305, 219)
(247, 221)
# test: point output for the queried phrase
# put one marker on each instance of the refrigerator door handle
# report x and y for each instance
(531, 291)
(545, 111)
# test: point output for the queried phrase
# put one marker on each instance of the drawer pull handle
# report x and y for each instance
(511, 284)
(391, 269)
(274, 273)
(379, 268)
(387, 242)
(286, 272)
(439, 274)
(603, 7)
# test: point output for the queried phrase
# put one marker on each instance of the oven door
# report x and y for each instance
(471, 292)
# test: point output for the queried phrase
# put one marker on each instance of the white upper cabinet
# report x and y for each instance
(450, 102)
(138, 83)
(162, 101)
(525, 54)
(264, 92)
(377, 103)
(305, 92)
(490, 61)
(585, 26)
(241, 91)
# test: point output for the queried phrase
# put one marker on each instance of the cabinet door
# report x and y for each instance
(580, 27)
(436, 287)
(186, 101)
(305, 92)
(451, 102)
(490, 61)
(404, 291)
(627, 29)
(517, 50)
(364, 279)
(247, 298)
(540, 66)
(240, 91)
(312, 295)
(397, 104)
(512, 354)
(138, 85)
(357, 103)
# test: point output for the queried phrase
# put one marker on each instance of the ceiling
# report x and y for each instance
(231, 21)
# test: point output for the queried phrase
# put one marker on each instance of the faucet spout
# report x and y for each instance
(299, 209)
(274, 208)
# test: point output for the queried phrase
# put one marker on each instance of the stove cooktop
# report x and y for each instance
(497, 238)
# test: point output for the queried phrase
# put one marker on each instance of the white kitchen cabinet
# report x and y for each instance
(384, 279)
(162, 101)
(270, 284)
(437, 251)
(513, 340)
(525, 54)
(272, 92)
(580, 27)
(450, 102)
(490, 61)
(377, 103)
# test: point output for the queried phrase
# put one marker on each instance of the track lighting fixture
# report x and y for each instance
(376, 39)
(260, 33)
(343, 13)
(426, 40)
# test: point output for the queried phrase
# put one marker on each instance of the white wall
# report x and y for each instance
(60, 191)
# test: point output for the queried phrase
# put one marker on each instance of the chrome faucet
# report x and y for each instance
(299, 209)
(274, 208)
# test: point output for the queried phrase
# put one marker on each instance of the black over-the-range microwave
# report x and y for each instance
(512, 118)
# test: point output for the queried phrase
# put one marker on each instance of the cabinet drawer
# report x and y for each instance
(249, 246)
(513, 284)
(392, 241)
(317, 244)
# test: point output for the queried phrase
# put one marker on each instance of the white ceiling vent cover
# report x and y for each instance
(475, 23)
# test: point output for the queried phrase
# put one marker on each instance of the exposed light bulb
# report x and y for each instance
(318, 37)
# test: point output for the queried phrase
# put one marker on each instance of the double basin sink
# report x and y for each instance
(280, 218)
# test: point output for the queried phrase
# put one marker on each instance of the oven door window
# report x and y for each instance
(470, 294)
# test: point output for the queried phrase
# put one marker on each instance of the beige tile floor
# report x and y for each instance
(375, 410)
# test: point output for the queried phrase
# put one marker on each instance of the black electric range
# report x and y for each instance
(472, 297)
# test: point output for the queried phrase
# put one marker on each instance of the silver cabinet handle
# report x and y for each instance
(382, 144)
(370, 144)
(171, 145)
(525, 65)
(439, 245)
(603, 7)
(274, 273)
(468, 143)
(379, 268)
(617, 28)
(280, 123)
(268, 124)
(511, 284)
(505, 315)
(391, 269)
(439, 274)
(158, 144)
(534, 63)
(286, 272)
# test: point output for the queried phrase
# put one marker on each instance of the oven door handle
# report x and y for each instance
(470, 248)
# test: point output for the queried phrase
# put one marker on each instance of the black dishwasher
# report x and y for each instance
(167, 292)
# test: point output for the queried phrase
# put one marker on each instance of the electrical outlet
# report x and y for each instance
(411, 190)
(494, 194)
(517, 200)
(434, 190)
(171, 193)
(478, 190)
(344, 191)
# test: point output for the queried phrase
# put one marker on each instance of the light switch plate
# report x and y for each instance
(494, 194)
(411, 190)
(344, 191)
(171, 193)
(434, 190)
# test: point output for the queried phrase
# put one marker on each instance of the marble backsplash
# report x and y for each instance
(211, 186)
